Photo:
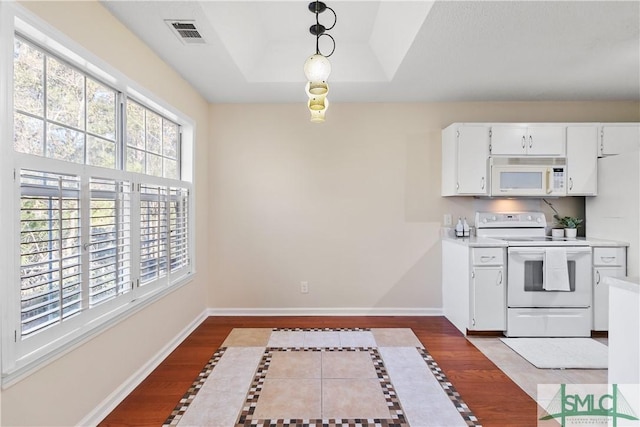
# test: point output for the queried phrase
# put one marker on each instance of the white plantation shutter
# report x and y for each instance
(110, 239)
(50, 264)
(178, 229)
(153, 233)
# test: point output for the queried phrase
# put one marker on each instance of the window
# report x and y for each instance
(60, 112)
(102, 203)
(152, 142)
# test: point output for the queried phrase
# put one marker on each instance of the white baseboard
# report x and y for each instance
(346, 311)
(118, 395)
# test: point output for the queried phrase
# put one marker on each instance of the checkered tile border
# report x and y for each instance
(191, 393)
(396, 415)
(387, 387)
(451, 391)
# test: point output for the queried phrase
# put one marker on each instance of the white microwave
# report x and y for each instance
(522, 176)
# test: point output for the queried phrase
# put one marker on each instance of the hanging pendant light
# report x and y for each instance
(317, 67)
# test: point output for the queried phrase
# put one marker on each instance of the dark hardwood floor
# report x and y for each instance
(490, 394)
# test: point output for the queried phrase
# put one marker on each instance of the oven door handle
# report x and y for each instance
(539, 250)
(527, 254)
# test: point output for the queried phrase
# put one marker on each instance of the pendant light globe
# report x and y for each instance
(317, 68)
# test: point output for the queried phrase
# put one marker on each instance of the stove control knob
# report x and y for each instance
(484, 220)
(493, 218)
(529, 218)
(538, 220)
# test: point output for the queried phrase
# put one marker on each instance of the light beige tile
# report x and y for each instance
(349, 398)
(321, 339)
(527, 376)
(295, 364)
(248, 337)
(405, 364)
(217, 406)
(585, 376)
(289, 398)
(238, 362)
(395, 337)
(347, 364)
(286, 339)
(357, 339)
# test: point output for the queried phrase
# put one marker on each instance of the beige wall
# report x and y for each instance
(65, 391)
(352, 206)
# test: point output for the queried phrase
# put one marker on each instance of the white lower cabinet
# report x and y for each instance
(488, 299)
(607, 262)
(474, 287)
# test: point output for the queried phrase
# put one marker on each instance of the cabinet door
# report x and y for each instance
(489, 308)
(582, 160)
(508, 141)
(546, 141)
(473, 152)
(601, 295)
(620, 139)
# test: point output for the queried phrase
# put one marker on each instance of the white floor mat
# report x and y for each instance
(561, 353)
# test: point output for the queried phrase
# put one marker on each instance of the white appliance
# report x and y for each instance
(615, 213)
(548, 279)
(528, 176)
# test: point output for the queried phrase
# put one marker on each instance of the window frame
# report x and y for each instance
(21, 357)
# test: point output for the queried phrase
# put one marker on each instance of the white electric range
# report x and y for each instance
(549, 291)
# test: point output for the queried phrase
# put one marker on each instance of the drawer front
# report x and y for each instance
(609, 257)
(488, 256)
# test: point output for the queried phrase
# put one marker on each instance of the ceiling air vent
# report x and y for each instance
(186, 31)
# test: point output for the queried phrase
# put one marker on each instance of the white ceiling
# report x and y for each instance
(401, 51)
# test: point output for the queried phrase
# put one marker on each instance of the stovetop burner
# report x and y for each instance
(520, 229)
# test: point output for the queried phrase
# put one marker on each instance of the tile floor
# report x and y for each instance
(528, 376)
(376, 377)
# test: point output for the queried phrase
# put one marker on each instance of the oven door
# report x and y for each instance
(525, 287)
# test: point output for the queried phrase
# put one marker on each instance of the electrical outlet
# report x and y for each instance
(304, 287)
(447, 220)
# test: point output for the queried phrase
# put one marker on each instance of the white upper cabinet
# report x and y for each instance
(520, 140)
(618, 138)
(582, 160)
(465, 153)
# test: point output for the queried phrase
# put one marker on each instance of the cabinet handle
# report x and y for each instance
(457, 185)
(500, 281)
(523, 141)
(597, 277)
(607, 259)
(530, 141)
(487, 258)
(570, 183)
(483, 183)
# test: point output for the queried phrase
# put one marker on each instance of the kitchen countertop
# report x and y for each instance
(474, 241)
(631, 284)
(605, 243)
